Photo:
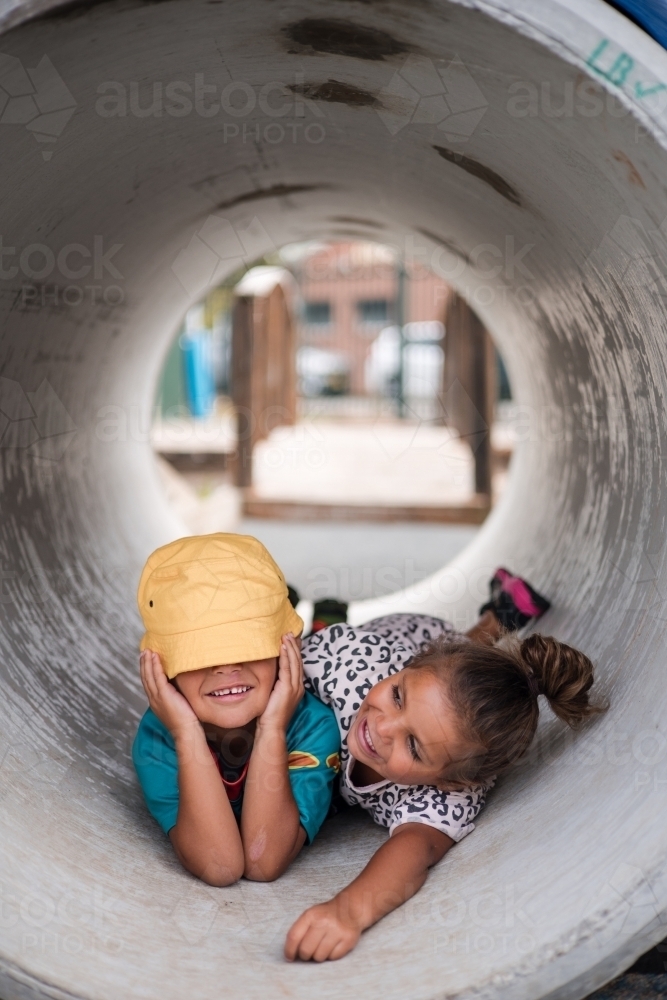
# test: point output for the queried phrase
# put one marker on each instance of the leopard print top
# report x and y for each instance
(341, 664)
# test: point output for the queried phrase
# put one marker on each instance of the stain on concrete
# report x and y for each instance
(482, 172)
(342, 38)
(388, 3)
(276, 191)
(72, 9)
(633, 174)
(336, 92)
(447, 244)
(352, 220)
(348, 233)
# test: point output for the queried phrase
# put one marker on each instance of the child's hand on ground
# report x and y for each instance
(321, 933)
(171, 708)
(288, 689)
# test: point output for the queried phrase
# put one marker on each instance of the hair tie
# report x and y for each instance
(532, 684)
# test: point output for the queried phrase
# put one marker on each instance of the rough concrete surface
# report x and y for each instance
(419, 140)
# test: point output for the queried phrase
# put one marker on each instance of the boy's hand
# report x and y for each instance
(171, 708)
(322, 933)
(288, 689)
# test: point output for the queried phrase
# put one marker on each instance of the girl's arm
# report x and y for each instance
(205, 838)
(270, 825)
(394, 874)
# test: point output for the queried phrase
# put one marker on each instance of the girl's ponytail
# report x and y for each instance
(494, 690)
(564, 675)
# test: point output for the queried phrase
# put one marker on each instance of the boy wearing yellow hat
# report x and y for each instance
(236, 762)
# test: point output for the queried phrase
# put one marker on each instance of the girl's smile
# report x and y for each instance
(405, 730)
(365, 739)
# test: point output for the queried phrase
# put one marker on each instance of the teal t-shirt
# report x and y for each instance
(313, 745)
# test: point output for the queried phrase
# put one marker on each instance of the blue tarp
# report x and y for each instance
(651, 15)
(199, 380)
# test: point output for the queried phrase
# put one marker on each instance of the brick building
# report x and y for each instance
(349, 294)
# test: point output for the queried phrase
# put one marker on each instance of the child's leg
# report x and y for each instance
(513, 602)
(486, 630)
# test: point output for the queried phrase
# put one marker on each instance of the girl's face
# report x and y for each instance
(406, 729)
(232, 695)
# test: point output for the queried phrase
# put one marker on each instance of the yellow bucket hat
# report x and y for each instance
(207, 600)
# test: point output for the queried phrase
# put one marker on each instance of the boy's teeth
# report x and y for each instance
(234, 690)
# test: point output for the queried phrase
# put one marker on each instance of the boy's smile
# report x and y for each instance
(230, 695)
(234, 693)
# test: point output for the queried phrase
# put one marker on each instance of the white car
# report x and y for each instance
(322, 372)
(423, 361)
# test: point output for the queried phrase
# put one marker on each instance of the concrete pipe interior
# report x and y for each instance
(563, 883)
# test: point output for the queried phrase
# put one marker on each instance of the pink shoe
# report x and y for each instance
(513, 601)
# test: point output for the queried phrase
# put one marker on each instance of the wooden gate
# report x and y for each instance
(263, 363)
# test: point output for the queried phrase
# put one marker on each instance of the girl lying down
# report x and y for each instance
(428, 717)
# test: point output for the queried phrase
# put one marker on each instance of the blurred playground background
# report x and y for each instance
(341, 402)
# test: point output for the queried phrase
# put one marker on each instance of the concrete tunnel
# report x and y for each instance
(468, 130)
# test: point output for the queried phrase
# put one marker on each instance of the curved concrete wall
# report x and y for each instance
(436, 126)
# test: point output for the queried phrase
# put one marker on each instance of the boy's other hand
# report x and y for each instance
(171, 708)
(321, 933)
(288, 689)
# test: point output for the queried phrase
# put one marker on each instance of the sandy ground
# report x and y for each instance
(385, 462)
(361, 459)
